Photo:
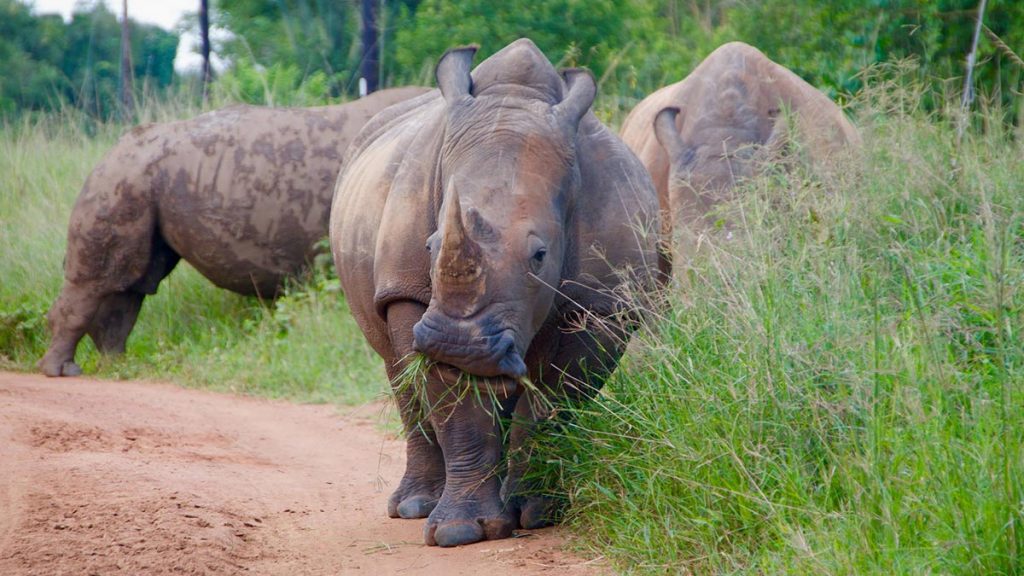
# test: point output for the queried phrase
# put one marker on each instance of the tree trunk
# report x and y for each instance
(968, 95)
(204, 34)
(368, 68)
(127, 101)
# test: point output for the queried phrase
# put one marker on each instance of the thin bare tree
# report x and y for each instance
(968, 94)
(369, 66)
(204, 34)
(127, 101)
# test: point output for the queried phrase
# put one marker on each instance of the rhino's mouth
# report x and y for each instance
(468, 346)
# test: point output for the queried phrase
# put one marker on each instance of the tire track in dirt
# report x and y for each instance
(106, 477)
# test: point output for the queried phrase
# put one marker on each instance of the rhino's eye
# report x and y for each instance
(537, 260)
(537, 250)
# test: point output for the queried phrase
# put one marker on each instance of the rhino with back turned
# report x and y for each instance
(701, 135)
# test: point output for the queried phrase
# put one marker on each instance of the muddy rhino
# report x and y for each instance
(489, 226)
(699, 135)
(242, 194)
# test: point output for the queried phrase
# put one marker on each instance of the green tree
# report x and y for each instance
(30, 52)
(46, 62)
(92, 54)
(595, 33)
(830, 43)
(310, 36)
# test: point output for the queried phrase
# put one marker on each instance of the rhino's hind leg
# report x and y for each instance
(114, 319)
(68, 319)
(108, 271)
(117, 312)
(421, 486)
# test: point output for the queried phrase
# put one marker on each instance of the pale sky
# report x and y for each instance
(163, 13)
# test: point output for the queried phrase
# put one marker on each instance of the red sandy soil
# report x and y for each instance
(106, 477)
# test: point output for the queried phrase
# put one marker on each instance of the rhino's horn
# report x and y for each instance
(461, 258)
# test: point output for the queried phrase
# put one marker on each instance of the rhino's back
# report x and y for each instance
(764, 87)
(243, 193)
(617, 225)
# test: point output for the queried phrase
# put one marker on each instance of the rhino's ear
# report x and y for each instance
(452, 73)
(666, 132)
(580, 89)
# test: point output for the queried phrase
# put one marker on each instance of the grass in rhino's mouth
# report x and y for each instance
(489, 393)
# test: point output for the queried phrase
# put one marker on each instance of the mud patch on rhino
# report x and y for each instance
(294, 152)
(264, 146)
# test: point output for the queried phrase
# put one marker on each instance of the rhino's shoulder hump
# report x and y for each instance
(520, 63)
(733, 52)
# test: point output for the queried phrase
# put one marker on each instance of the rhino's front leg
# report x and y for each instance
(466, 419)
(423, 481)
(535, 510)
(582, 361)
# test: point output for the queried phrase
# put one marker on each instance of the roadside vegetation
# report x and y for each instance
(839, 387)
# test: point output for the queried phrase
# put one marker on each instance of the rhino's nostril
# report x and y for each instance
(510, 362)
(506, 344)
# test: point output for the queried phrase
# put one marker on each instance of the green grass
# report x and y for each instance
(305, 347)
(839, 389)
(836, 390)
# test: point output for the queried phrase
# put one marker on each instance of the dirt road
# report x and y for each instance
(103, 477)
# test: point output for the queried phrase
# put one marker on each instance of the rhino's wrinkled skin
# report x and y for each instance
(242, 194)
(481, 225)
(699, 135)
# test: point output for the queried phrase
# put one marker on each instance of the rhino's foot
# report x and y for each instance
(69, 368)
(415, 498)
(468, 522)
(54, 368)
(539, 511)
